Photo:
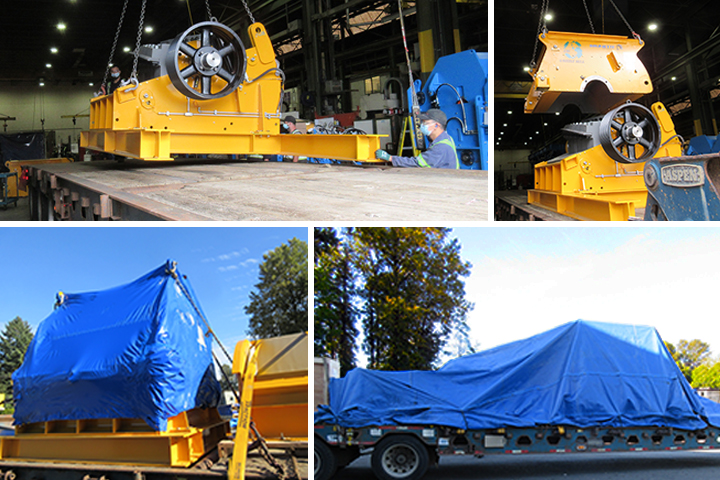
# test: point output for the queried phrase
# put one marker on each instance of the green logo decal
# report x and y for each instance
(572, 49)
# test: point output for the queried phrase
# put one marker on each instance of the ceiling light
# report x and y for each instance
(53, 50)
(557, 113)
(502, 133)
(652, 27)
(126, 49)
(673, 78)
(61, 26)
(530, 138)
(111, 65)
(42, 84)
(509, 112)
(526, 69)
(537, 133)
(504, 124)
(91, 84)
(545, 124)
(548, 17)
(525, 143)
(148, 29)
(48, 65)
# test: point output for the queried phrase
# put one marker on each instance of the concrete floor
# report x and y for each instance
(20, 212)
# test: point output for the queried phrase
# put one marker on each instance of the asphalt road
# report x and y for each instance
(695, 465)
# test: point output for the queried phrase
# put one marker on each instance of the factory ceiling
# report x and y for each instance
(667, 27)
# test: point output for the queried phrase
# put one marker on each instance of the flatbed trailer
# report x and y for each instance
(207, 189)
(406, 452)
(294, 464)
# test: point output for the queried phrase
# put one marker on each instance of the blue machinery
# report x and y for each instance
(458, 85)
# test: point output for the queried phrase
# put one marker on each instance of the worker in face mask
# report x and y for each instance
(442, 152)
(114, 83)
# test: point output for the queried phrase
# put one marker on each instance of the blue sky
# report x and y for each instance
(528, 280)
(221, 264)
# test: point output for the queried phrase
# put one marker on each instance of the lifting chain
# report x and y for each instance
(136, 53)
(626, 22)
(542, 28)
(114, 45)
(587, 11)
(209, 14)
(247, 9)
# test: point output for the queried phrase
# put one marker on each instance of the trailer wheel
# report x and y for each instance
(400, 457)
(325, 463)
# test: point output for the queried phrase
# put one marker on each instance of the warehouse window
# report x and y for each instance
(372, 85)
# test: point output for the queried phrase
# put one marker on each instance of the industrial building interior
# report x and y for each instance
(680, 50)
(343, 59)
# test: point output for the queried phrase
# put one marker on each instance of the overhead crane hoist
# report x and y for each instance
(600, 177)
(211, 95)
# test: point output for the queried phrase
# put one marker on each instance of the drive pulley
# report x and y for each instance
(206, 61)
(630, 134)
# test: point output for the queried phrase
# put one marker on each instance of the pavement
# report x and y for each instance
(695, 465)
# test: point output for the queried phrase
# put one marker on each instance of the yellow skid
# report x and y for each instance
(594, 72)
(188, 437)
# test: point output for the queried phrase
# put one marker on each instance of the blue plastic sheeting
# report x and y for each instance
(580, 374)
(134, 351)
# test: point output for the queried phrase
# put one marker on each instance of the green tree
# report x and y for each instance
(413, 292)
(14, 342)
(706, 374)
(278, 304)
(335, 315)
(689, 355)
(228, 380)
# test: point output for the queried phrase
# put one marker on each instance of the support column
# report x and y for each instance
(312, 54)
(699, 99)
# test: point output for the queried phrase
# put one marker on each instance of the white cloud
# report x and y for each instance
(249, 261)
(666, 284)
(228, 268)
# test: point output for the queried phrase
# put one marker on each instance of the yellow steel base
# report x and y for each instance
(159, 145)
(188, 437)
(589, 207)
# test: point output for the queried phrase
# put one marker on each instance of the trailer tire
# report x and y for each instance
(325, 462)
(400, 457)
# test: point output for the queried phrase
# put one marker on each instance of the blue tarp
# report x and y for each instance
(580, 374)
(134, 351)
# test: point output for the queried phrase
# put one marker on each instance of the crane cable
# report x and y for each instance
(115, 41)
(419, 138)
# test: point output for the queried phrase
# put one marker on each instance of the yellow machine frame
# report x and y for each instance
(153, 120)
(187, 438)
(574, 67)
(591, 186)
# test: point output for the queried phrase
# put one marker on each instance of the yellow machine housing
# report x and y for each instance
(153, 120)
(594, 72)
(591, 186)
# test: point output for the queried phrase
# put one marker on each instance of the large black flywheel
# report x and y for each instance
(207, 61)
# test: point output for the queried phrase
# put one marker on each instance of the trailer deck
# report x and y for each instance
(204, 189)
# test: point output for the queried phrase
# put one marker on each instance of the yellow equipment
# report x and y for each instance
(212, 97)
(18, 188)
(122, 441)
(273, 381)
(601, 175)
(594, 72)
